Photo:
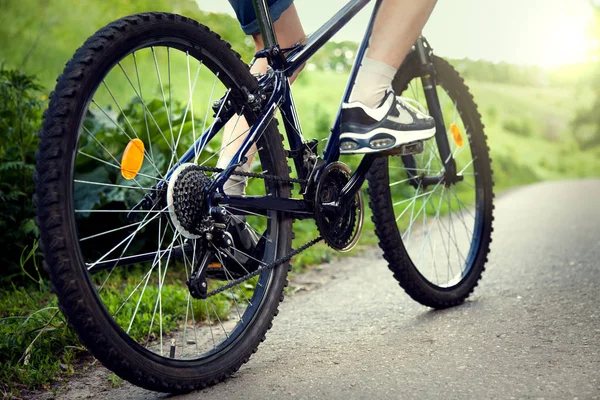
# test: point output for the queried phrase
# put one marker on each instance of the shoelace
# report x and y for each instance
(413, 104)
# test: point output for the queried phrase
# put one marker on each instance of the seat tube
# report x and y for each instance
(265, 23)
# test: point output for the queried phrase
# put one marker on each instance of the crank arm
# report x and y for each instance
(357, 179)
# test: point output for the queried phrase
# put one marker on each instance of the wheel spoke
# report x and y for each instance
(230, 277)
(144, 106)
(174, 156)
(111, 185)
(212, 335)
(137, 256)
(191, 103)
(162, 91)
(433, 223)
(132, 234)
(121, 255)
(227, 145)
(148, 156)
(241, 220)
(208, 107)
(246, 211)
(110, 231)
(140, 96)
(83, 153)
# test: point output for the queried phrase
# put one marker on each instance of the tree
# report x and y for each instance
(586, 123)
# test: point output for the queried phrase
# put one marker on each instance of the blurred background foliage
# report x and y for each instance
(21, 102)
(541, 124)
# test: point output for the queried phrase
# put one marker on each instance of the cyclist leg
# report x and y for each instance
(289, 31)
(398, 24)
(375, 119)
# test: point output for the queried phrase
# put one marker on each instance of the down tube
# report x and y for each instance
(332, 151)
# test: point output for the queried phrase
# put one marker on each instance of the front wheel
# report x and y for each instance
(149, 82)
(436, 237)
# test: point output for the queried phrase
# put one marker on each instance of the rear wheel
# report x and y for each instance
(436, 238)
(149, 82)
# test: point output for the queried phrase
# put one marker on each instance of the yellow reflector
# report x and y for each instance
(132, 160)
(456, 135)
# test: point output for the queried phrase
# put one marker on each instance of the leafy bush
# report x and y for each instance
(491, 114)
(508, 172)
(37, 344)
(520, 127)
(21, 104)
(586, 124)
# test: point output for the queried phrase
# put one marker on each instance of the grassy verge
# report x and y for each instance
(529, 139)
(528, 131)
(36, 344)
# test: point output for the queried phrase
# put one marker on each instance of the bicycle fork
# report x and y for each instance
(428, 80)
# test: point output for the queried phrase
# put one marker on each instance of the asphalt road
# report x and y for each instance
(531, 330)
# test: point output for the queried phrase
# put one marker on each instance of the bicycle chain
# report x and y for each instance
(275, 263)
(267, 267)
(255, 175)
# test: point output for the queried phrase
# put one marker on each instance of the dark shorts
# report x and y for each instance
(245, 13)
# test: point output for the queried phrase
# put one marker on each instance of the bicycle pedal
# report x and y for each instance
(406, 149)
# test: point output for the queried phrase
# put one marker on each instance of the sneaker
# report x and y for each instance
(243, 256)
(396, 122)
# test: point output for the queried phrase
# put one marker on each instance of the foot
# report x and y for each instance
(241, 258)
(394, 123)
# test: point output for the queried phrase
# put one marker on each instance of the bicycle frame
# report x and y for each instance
(276, 80)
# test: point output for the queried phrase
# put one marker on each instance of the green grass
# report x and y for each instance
(529, 137)
(174, 293)
(541, 148)
(36, 339)
(38, 346)
(527, 127)
(548, 151)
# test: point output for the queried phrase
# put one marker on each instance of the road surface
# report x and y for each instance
(531, 329)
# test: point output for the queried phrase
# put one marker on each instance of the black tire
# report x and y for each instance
(416, 285)
(78, 299)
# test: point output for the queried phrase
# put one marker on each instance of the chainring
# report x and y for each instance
(340, 228)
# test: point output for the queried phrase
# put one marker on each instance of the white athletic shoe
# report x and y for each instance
(396, 122)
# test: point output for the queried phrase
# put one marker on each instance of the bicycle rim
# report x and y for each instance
(440, 225)
(149, 301)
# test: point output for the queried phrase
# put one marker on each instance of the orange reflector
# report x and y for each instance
(214, 266)
(456, 135)
(133, 158)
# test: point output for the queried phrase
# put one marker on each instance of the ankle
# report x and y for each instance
(373, 80)
(236, 184)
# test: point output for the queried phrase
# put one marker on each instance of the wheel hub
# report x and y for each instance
(185, 200)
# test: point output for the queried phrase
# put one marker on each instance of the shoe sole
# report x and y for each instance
(401, 138)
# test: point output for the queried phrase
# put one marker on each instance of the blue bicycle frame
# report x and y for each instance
(276, 80)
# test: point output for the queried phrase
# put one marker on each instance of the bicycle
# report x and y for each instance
(139, 249)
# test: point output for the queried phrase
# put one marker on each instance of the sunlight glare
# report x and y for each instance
(569, 42)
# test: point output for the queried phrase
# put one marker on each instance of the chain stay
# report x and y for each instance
(275, 263)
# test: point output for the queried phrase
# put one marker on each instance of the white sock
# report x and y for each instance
(373, 80)
(236, 184)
